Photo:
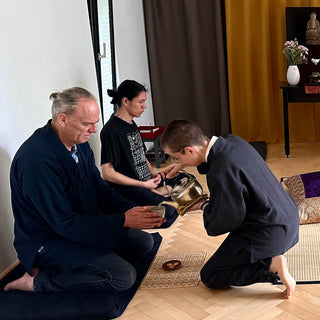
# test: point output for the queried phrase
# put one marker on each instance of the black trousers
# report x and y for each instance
(113, 269)
(229, 268)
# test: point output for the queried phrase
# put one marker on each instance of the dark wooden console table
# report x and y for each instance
(293, 94)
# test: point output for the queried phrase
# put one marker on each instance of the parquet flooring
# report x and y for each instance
(259, 301)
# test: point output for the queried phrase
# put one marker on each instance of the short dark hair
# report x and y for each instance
(182, 133)
(127, 89)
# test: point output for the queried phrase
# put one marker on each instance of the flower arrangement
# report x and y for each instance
(294, 52)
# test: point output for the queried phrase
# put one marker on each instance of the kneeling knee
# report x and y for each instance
(213, 280)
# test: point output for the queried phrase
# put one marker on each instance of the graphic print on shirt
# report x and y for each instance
(138, 156)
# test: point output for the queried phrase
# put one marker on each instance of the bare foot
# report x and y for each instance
(279, 265)
(164, 191)
(25, 283)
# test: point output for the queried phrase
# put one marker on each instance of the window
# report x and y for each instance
(106, 62)
(102, 39)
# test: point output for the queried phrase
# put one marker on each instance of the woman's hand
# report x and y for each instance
(157, 177)
(152, 183)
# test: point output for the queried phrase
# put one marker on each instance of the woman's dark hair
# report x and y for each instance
(127, 89)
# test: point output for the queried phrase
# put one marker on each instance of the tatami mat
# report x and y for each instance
(304, 258)
(188, 275)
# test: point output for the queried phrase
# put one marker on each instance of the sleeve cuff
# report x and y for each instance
(204, 204)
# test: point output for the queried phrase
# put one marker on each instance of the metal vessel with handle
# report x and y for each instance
(185, 194)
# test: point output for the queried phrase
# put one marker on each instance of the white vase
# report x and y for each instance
(293, 75)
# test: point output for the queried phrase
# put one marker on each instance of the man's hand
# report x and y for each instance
(142, 218)
(171, 170)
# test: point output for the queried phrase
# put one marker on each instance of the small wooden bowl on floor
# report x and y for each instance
(171, 265)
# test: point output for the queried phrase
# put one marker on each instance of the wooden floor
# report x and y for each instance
(259, 301)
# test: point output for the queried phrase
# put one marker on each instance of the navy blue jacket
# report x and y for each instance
(247, 201)
(61, 205)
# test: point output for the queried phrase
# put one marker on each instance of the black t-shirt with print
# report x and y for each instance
(122, 145)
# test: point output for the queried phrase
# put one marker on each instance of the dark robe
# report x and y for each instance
(247, 201)
(62, 205)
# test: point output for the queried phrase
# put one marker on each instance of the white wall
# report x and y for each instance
(131, 50)
(45, 46)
